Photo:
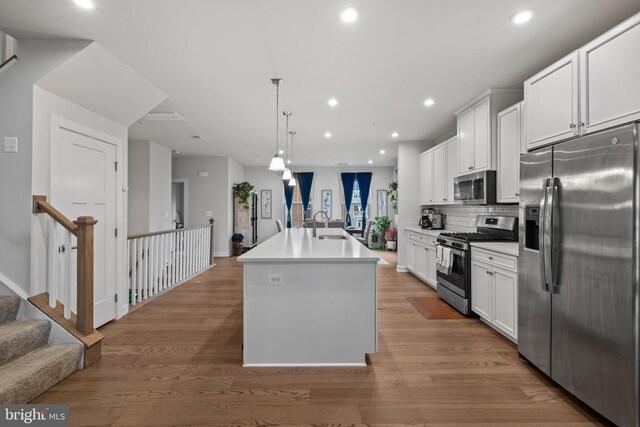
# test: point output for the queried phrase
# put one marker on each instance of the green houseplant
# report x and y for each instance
(243, 190)
(393, 195)
(237, 239)
(380, 225)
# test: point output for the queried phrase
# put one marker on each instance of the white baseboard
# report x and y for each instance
(14, 287)
(401, 269)
(222, 254)
(303, 365)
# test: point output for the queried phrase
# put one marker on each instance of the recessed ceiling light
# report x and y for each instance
(429, 102)
(349, 15)
(327, 135)
(382, 151)
(522, 17)
(332, 102)
(394, 135)
(280, 151)
(370, 162)
(86, 4)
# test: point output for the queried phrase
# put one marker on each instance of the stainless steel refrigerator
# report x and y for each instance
(578, 268)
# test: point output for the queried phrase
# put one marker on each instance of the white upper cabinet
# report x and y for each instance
(610, 78)
(509, 143)
(440, 174)
(481, 136)
(594, 88)
(477, 122)
(552, 103)
(465, 142)
(426, 177)
(452, 167)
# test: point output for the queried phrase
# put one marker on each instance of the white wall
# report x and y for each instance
(149, 187)
(138, 195)
(408, 191)
(209, 194)
(37, 58)
(324, 178)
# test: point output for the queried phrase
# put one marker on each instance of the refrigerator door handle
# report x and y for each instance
(541, 235)
(555, 233)
(548, 235)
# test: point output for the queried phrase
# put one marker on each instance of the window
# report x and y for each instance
(356, 206)
(297, 216)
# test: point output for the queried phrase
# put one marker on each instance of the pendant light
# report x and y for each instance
(286, 175)
(292, 181)
(277, 164)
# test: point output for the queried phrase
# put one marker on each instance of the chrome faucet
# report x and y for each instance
(326, 225)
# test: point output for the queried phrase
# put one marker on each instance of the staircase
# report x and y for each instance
(28, 365)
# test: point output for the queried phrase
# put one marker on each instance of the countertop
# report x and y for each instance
(508, 248)
(431, 233)
(299, 245)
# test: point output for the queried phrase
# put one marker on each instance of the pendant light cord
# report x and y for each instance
(277, 117)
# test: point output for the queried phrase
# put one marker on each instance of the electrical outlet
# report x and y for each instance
(10, 144)
(276, 279)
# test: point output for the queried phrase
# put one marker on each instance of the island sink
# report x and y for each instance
(332, 237)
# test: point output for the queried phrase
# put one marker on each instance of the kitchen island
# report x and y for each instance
(309, 301)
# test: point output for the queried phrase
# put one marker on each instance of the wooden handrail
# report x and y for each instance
(40, 205)
(83, 229)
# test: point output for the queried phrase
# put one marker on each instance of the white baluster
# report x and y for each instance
(52, 259)
(67, 284)
(139, 269)
(146, 268)
(134, 274)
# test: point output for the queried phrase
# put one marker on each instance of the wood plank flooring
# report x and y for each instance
(177, 361)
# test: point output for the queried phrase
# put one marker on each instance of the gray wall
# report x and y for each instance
(37, 58)
(149, 187)
(210, 194)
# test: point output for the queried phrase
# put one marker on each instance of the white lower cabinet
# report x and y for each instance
(494, 290)
(421, 256)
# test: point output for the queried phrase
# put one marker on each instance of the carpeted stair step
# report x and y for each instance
(9, 306)
(25, 378)
(21, 337)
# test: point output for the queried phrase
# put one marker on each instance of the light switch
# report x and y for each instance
(208, 214)
(203, 174)
(10, 144)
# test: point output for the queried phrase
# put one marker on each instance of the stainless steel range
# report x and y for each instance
(454, 285)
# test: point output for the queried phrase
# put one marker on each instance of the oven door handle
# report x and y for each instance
(542, 235)
(455, 251)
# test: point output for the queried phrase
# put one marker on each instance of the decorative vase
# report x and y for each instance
(237, 248)
(391, 245)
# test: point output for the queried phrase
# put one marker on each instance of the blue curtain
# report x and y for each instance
(364, 183)
(348, 179)
(304, 180)
(288, 198)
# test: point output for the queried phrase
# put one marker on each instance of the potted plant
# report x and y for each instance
(393, 195)
(390, 236)
(237, 239)
(243, 190)
(380, 225)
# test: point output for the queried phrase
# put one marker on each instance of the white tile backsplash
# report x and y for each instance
(463, 218)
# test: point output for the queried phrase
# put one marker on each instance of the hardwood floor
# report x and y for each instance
(177, 361)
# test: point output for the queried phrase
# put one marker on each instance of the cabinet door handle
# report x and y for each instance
(491, 258)
(572, 126)
(470, 167)
(517, 194)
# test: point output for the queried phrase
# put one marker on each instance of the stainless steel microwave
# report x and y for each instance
(477, 188)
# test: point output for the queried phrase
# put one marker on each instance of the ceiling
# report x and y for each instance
(214, 60)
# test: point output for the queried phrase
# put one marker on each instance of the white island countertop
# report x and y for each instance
(299, 245)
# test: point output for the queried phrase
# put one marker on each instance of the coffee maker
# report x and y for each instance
(431, 220)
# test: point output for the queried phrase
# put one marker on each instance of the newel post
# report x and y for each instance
(84, 234)
(211, 220)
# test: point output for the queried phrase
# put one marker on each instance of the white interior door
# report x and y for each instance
(83, 182)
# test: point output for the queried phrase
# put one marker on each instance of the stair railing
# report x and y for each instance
(159, 261)
(60, 281)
